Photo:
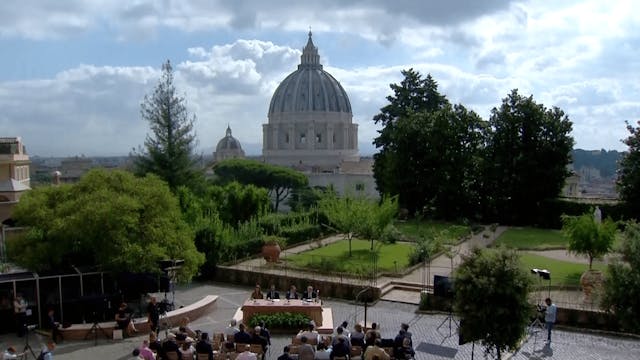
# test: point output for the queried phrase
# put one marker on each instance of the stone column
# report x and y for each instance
(274, 137)
(330, 137)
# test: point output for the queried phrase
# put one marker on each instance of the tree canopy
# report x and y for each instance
(168, 150)
(527, 155)
(588, 236)
(491, 296)
(112, 220)
(278, 180)
(429, 149)
(629, 173)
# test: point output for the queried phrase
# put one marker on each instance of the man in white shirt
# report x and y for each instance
(247, 354)
(550, 316)
(232, 329)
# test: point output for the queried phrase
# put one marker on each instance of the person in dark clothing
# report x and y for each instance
(242, 336)
(285, 354)
(292, 293)
(153, 314)
(154, 344)
(398, 344)
(264, 332)
(53, 325)
(170, 345)
(272, 294)
(340, 349)
(204, 346)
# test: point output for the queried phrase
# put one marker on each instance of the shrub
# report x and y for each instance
(283, 320)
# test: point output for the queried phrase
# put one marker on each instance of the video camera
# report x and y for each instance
(541, 308)
(164, 306)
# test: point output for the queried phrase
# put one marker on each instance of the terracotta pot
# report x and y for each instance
(271, 252)
(591, 281)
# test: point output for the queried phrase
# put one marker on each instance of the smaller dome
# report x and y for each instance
(228, 142)
(228, 147)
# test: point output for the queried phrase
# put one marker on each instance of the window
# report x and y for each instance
(359, 187)
(318, 138)
(286, 138)
(303, 138)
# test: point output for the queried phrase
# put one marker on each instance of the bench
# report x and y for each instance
(192, 311)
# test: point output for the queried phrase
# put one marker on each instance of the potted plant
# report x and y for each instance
(271, 247)
(589, 236)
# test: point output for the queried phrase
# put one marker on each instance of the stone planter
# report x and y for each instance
(591, 281)
(271, 252)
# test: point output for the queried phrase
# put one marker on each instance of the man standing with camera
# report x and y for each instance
(550, 316)
(153, 314)
(20, 312)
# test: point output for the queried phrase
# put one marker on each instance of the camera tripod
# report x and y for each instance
(450, 319)
(26, 344)
(94, 330)
(536, 325)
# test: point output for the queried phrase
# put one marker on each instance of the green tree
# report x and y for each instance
(527, 156)
(236, 203)
(429, 151)
(588, 236)
(629, 174)
(168, 150)
(622, 283)
(360, 216)
(278, 180)
(491, 296)
(110, 219)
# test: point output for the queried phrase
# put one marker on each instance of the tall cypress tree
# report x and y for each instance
(629, 173)
(168, 150)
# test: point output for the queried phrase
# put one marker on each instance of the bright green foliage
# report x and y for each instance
(622, 284)
(629, 174)
(168, 150)
(283, 320)
(358, 215)
(109, 219)
(587, 236)
(491, 295)
(236, 203)
(278, 180)
(526, 158)
(429, 150)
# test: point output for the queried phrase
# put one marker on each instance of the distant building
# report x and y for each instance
(310, 129)
(228, 148)
(72, 168)
(14, 174)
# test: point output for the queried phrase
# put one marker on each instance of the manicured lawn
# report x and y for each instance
(532, 239)
(562, 272)
(451, 232)
(335, 257)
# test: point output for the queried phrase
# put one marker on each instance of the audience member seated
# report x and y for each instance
(257, 293)
(306, 351)
(231, 330)
(154, 344)
(323, 352)
(204, 346)
(406, 351)
(340, 335)
(345, 329)
(123, 320)
(170, 345)
(292, 293)
(376, 350)
(407, 333)
(247, 354)
(371, 335)
(398, 344)
(257, 338)
(145, 352)
(264, 332)
(285, 354)
(310, 333)
(242, 337)
(272, 294)
(341, 348)
(187, 350)
(184, 323)
(357, 336)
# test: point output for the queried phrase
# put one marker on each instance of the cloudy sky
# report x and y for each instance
(74, 72)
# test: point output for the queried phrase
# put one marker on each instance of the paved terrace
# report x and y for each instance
(428, 340)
